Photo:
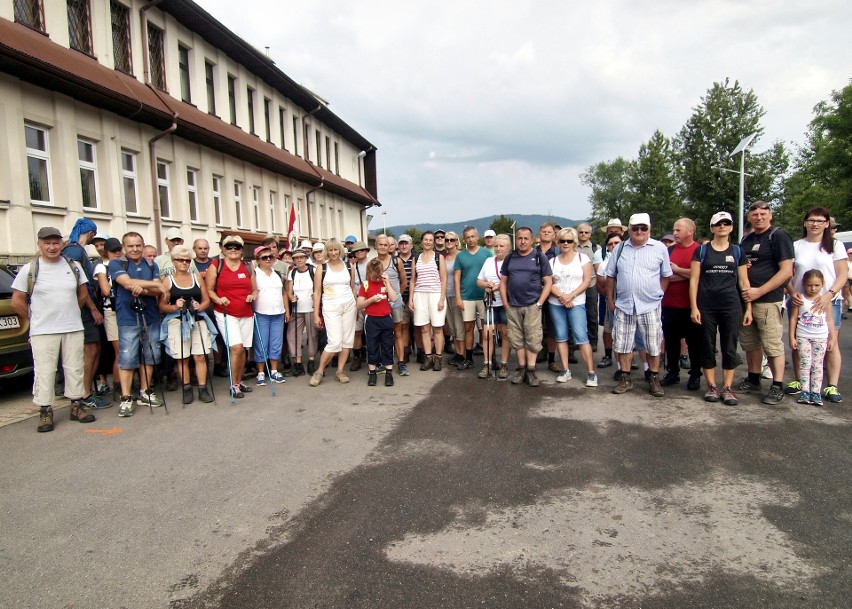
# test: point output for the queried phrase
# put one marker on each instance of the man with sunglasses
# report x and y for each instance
(677, 310)
(770, 255)
(441, 242)
(635, 284)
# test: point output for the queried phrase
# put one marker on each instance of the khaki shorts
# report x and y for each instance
(194, 345)
(110, 325)
(524, 324)
(765, 331)
(455, 319)
(401, 315)
(471, 308)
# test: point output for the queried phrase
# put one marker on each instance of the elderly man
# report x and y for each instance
(636, 281)
(676, 309)
(407, 257)
(49, 291)
(488, 239)
(614, 226)
(201, 249)
(595, 254)
(770, 255)
(525, 283)
(173, 237)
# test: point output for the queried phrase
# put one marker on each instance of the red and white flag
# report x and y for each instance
(292, 234)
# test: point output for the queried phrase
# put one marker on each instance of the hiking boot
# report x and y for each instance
(591, 379)
(519, 376)
(465, 364)
(625, 383)
(830, 394)
(80, 413)
(729, 398)
(654, 387)
(746, 386)
(670, 379)
(712, 394)
(427, 364)
(606, 362)
(616, 376)
(503, 372)
(774, 396)
(237, 392)
(793, 387)
(45, 419)
(372, 377)
(298, 369)
(341, 377)
(388, 378)
(188, 394)
(95, 402)
(316, 379)
(403, 370)
(204, 394)
(437, 362)
(694, 382)
(564, 376)
(126, 407)
(484, 371)
(355, 365)
(532, 379)
(261, 379)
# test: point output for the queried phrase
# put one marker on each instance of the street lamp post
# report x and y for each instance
(384, 223)
(741, 149)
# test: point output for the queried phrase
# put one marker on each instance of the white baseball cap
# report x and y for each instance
(640, 219)
(306, 244)
(404, 237)
(489, 233)
(720, 215)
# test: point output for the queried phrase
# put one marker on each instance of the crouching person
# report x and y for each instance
(374, 298)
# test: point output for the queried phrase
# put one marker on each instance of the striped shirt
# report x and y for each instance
(428, 276)
(638, 274)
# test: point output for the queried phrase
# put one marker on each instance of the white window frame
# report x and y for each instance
(129, 174)
(238, 203)
(273, 203)
(255, 200)
(41, 156)
(89, 166)
(192, 193)
(161, 184)
(217, 199)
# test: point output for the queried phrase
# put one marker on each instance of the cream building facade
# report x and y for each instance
(149, 115)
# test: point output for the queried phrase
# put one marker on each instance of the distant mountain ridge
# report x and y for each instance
(481, 224)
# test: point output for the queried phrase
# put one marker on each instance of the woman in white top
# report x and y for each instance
(300, 293)
(495, 318)
(334, 291)
(455, 319)
(817, 249)
(271, 310)
(572, 274)
(428, 299)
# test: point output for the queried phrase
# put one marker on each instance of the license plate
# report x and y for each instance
(9, 322)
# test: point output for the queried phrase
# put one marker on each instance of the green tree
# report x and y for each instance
(823, 166)
(502, 224)
(726, 114)
(611, 196)
(653, 184)
(415, 234)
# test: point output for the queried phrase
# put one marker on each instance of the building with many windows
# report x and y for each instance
(148, 115)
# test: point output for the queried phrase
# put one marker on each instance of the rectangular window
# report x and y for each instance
(336, 158)
(318, 137)
(38, 163)
(163, 189)
(88, 173)
(128, 179)
(211, 87)
(183, 68)
(217, 199)
(238, 202)
(192, 193)
(328, 153)
(267, 103)
(121, 56)
(306, 132)
(80, 26)
(273, 203)
(296, 135)
(157, 56)
(255, 201)
(250, 102)
(282, 126)
(232, 98)
(30, 13)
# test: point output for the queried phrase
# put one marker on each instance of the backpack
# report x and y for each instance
(738, 252)
(219, 261)
(32, 275)
(537, 261)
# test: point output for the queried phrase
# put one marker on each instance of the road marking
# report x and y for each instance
(105, 432)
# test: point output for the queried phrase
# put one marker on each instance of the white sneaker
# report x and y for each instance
(261, 379)
(125, 409)
(149, 398)
(564, 377)
(766, 373)
(592, 380)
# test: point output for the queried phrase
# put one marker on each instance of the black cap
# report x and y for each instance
(112, 245)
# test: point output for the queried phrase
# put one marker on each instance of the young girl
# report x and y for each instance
(811, 334)
(374, 298)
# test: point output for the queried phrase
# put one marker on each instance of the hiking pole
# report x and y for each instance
(137, 306)
(271, 383)
(228, 352)
(489, 323)
(183, 366)
(156, 377)
(209, 378)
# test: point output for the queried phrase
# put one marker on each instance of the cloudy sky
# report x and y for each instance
(480, 107)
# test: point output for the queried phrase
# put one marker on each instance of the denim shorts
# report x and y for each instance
(129, 342)
(576, 315)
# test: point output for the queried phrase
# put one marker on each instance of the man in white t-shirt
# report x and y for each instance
(49, 291)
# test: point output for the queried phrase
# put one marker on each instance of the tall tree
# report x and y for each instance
(823, 167)
(726, 114)
(502, 224)
(611, 195)
(653, 184)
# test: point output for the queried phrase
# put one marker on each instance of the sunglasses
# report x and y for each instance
(724, 223)
(761, 206)
(452, 240)
(267, 257)
(233, 247)
(184, 260)
(639, 228)
(440, 237)
(565, 241)
(584, 232)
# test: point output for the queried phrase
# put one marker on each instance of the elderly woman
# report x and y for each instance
(428, 299)
(232, 287)
(817, 249)
(495, 319)
(572, 274)
(455, 318)
(270, 311)
(300, 294)
(183, 301)
(334, 291)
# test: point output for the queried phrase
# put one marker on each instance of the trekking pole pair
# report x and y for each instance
(138, 307)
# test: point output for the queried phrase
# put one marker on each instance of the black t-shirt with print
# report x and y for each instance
(765, 253)
(718, 288)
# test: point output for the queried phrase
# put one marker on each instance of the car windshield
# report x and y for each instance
(6, 279)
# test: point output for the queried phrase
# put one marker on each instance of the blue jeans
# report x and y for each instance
(132, 339)
(576, 315)
(269, 333)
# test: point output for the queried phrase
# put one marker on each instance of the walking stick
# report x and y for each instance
(228, 351)
(489, 322)
(137, 306)
(155, 376)
(183, 365)
(271, 383)
(206, 359)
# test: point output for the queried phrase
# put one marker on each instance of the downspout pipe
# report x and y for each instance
(308, 203)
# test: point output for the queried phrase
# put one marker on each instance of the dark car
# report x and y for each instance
(16, 358)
